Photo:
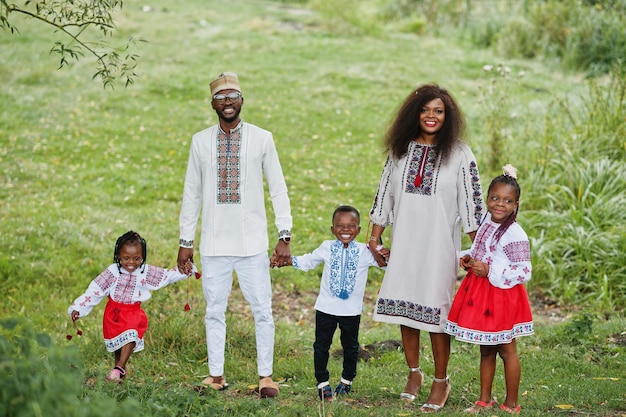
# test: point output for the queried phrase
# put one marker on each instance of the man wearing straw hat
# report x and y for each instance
(224, 178)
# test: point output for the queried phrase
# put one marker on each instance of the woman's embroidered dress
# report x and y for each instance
(426, 203)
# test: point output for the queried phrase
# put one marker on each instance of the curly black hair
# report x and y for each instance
(406, 128)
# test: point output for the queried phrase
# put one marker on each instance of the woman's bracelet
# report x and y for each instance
(372, 238)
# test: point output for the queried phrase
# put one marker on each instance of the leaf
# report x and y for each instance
(564, 406)
(43, 339)
(9, 324)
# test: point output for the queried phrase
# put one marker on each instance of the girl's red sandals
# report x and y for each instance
(480, 406)
(514, 410)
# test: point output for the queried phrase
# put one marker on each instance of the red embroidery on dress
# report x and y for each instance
(420, 171)
(154, 275)
(105, 280)
(517, 251)
(421, 166)
(480, 248)
(125, 288)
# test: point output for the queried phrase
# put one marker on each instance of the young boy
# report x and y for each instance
(340, 301)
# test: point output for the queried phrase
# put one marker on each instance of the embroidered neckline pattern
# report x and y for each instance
(485, 232)
(228, 166)
(421, 167)
(343, 268)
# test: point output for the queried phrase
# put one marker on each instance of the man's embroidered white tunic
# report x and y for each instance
(234, 221)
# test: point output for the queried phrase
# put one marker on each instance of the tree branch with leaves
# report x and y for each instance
(77, 20)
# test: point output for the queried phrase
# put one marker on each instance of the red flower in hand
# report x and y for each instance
(79, 332)
(198, 275)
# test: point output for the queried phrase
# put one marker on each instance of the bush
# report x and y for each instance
(36, 377)
(582, 36)
(576, 215)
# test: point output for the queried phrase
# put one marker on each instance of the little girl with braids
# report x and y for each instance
(127, 283)
(491, 307)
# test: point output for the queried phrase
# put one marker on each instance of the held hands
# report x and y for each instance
(75, 315)
(466, 262)
(275, 263)
(281, 256)
(185, 260)
(380, 253)
(479, 268)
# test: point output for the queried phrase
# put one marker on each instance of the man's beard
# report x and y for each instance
(230, 119)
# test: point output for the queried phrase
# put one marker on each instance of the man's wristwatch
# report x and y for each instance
(285, 240)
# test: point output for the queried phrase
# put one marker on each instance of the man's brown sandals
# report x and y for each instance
(215, 382)
(267, 387)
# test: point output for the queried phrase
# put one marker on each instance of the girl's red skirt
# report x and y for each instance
(487, 315)
(123, 324)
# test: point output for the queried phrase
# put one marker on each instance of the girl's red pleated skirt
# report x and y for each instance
(123, 324)
(487, 315)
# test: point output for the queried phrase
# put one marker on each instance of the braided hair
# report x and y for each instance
(512, 181)
(131, 238)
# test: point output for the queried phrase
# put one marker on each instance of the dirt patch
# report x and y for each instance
(618, 339)
(293, 306)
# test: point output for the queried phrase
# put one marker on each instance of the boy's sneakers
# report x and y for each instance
(343, 387)
(324, 391)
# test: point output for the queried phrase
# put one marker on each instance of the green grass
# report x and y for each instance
(82, 165)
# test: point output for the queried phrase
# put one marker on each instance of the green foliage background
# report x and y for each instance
(81, 165)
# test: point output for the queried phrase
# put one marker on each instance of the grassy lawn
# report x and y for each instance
(82, 165)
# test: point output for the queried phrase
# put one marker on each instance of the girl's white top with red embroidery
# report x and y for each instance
(494, 310)
(508, 259)
(124, 287)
